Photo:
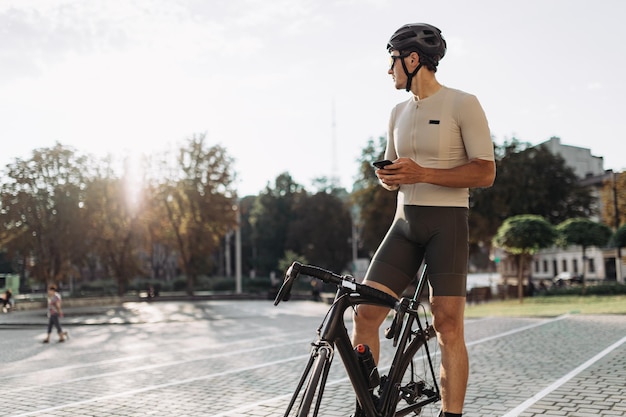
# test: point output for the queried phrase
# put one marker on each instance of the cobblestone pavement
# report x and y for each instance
(243, 358)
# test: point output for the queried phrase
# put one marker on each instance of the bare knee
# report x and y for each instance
(448, 319)
(369, 316)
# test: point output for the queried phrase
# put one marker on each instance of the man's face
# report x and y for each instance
(396, 70)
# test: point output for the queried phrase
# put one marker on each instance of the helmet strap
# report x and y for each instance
(410, 75)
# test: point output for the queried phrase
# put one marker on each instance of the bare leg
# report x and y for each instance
(367, 321)
(448, 323)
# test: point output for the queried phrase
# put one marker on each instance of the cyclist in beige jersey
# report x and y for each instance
(440, 145)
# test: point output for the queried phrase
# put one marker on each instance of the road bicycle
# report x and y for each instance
(405, 390)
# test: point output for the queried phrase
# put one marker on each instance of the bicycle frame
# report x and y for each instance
(333, 335)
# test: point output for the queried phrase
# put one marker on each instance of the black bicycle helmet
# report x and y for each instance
(420, 37)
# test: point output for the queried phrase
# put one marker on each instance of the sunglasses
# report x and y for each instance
(392, 59)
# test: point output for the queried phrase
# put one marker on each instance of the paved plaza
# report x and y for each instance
(243, 358)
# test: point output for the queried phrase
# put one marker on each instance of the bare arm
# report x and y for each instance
(476, 173)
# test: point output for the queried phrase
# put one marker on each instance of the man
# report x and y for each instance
(440, 145)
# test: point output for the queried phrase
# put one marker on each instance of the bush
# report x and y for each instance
(257, 285)
(604, 288)
(96, 288)
(180, 284)
(143, 285)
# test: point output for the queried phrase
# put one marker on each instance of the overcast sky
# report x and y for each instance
(262, 78)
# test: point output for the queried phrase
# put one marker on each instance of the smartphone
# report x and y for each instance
(382, 164)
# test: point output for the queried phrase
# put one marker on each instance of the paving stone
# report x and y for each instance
(244, 358)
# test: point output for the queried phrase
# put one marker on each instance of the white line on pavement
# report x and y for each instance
(161, 353)
(155, 366)
(559, 382)
(265, 364)
(519, 329)
(246, 407)
(153, 387)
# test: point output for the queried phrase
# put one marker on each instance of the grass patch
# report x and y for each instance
(549, 306)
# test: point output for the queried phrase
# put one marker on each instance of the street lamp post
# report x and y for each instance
(238, 285)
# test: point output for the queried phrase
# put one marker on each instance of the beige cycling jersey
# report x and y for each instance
(445, 130)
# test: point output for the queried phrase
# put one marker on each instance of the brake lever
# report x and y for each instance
(284, 293)
(394, 330)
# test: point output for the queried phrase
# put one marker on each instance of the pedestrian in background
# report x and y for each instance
(55, 312)
(6, 301)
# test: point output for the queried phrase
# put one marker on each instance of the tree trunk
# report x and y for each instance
(191, 278)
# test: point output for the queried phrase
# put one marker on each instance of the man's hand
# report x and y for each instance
(402, 171)
(475, 173)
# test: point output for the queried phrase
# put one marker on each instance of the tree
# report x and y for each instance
(620, 237)
(270, 218)
(376, 205)
(289, 258)
(522, 236)
(320, 230)
(199, 202)
(585, 233)
(113, 210)
(41, 212)
(529, 180)
(613, 196)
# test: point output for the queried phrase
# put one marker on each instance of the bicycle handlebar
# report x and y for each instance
(345, 281)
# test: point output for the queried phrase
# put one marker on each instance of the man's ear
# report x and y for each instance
(414, 59)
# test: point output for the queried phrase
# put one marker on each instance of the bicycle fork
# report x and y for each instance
(315, 375)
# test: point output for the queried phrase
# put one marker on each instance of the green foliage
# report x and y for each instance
(179, 285)
(583, 232)
(40, 212)
(270, 217)
(620, 237)
(376, 205)
(199, 203)
(287, 218)
(71, 215)
(525, 234)
(529, 180)
(320, 230)
(289, 258)
(599, 289)
(97, 288)
(142, 285)
(114, 224)
(613, 197)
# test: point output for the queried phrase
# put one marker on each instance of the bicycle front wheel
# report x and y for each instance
(311, 395)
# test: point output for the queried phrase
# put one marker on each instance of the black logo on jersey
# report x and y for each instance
(433, 122)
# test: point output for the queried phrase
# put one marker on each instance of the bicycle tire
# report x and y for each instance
(418, 381)
(315, 385)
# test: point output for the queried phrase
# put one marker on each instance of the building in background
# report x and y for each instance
(567, 263)
(584, 164)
